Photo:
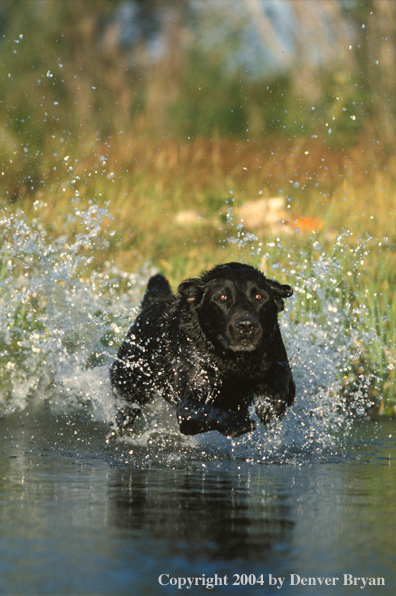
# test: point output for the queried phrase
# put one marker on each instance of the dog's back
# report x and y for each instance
(211, 351)
(158, 289)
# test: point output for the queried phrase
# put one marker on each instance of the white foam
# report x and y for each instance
(59, 331)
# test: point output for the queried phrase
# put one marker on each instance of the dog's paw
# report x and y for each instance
(194, 418)
(125, 417)
(236, 427)
(267, 409)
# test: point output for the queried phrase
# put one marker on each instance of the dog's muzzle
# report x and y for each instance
(245, 333)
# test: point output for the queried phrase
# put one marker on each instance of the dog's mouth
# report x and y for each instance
(244, 346)
(238, 345)
(244, 334)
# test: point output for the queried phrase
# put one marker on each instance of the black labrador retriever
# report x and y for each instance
(210, 351)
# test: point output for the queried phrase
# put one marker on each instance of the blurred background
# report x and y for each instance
(144, 132)
(195, 67)
(164, 106)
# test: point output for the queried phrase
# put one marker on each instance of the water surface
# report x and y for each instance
(86, 512)
(82, 515)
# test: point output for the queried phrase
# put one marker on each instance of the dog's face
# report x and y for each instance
(237, 306)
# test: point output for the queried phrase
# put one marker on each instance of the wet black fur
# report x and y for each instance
(209, 351)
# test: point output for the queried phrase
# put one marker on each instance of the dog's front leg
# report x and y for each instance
(194, 418)
(277, 394)
(126, 416)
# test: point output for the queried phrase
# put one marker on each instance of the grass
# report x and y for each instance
(145, 182)
(199, 140)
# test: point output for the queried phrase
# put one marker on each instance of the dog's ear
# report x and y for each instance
(280, 291)
(192, 290)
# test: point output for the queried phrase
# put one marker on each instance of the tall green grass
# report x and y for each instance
(338, 270)
(82, 126)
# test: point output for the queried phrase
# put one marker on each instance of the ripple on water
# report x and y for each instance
(60, 328)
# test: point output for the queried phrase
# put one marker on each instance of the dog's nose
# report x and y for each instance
(246, 325)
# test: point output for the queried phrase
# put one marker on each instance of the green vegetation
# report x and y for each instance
(84, 123)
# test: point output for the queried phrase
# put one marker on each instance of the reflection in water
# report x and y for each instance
(76, 519)
(218, 515)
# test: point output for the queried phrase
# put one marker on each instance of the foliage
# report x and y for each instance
(86, 122)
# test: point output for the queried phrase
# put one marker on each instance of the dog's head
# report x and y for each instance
(236, 304)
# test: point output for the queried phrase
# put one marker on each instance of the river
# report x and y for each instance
(83, 514)
(304, 506)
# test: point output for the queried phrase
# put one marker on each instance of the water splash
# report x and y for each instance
(58, 318)
(61, 323)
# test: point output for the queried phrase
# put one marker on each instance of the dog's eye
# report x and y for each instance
(259, 296)
(223, 298)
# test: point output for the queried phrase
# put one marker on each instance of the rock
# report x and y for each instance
(264, 213)
(187, 218)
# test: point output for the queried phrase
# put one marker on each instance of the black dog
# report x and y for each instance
(208, 351)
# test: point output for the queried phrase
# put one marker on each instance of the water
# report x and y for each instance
(77, 519)
(85, 511)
